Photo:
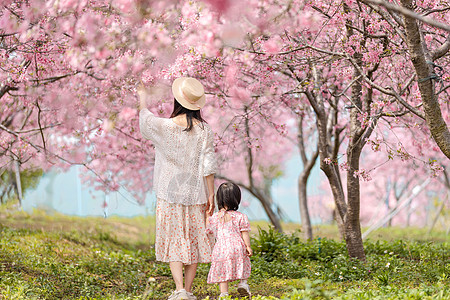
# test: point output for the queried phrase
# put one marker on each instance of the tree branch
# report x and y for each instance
(5, 89)
(442, 50)
(425, 72)
(388, 91)
(249, 152)
(301, 144)
(408, 13)
(388, 18)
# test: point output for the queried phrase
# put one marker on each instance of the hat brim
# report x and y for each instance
(178, 94)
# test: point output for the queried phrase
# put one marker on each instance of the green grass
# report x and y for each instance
(59, 257)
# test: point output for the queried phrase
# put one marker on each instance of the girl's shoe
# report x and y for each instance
(179, 295)
(223, 296)
(244, 290)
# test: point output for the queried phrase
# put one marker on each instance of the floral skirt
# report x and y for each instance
(181, 233)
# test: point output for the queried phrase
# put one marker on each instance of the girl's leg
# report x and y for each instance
(223, 287)
(189, 275)
(176, 267)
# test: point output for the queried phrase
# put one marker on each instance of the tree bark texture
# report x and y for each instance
(331, 170)
(18, 181)
(308, 164)
(303, 204)
(326, 151)
(422, 62)
(353, 236)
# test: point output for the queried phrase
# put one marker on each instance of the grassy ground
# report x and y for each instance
(141, 230)
(58, 257)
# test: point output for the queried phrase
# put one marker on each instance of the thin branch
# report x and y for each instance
(53, 79)
(17, 135)
(442, 50)
(326, 51)
(37, 129)
(437, 10)
(443, 89)
(346, 88)
(2, 35)
(408, 83)
(364, 32)
(321, 11)
(393, 113)
(271, 54)
(40, 125)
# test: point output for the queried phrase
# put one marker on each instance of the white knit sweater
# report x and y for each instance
(182, 159)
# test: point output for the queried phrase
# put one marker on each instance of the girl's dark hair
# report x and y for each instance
(228, 196)
(190, 114)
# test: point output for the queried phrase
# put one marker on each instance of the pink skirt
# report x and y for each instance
(181, 233)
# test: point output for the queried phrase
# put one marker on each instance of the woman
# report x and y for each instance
(183, 181)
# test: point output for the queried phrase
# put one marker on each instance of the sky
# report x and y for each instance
(64, 193)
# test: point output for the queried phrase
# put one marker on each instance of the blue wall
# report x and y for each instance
(64, 193)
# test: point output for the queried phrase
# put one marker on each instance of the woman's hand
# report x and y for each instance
(210, 205)
(210, 185)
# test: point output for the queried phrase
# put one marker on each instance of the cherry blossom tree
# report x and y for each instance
(365, 51)
(70, 70)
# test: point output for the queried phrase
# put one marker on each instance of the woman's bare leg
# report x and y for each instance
(189, 275)
(176, 267)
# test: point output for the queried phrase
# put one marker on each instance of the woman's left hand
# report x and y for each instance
(210, 205)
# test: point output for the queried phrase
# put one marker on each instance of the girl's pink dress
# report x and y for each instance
(229, 257)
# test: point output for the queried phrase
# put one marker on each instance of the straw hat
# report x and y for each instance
(189, 92)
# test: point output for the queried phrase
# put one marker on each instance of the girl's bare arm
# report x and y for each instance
(246, 237)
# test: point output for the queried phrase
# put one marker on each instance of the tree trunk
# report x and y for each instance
(303, 195)
(303, 204)
(18, 181)
(273, 217)
(331, 170)
(441, 207)
(422, 63)
(308, 164)
(353, 236)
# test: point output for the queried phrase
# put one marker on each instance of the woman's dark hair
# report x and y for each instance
(228, 196)
(190, 114)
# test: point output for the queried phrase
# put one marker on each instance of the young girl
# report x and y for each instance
(231, 254)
